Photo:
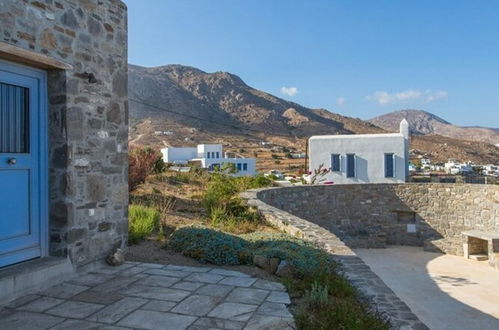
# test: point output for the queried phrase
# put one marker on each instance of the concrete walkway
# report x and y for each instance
(444, 291)
(153, 296)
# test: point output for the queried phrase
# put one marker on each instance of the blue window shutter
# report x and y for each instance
(389, 165)
(350, 165)
(335, 163)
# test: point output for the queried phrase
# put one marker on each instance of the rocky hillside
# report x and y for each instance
(423, 123)
(222, 102)
(179, 105)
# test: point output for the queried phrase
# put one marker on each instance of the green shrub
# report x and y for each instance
(222, 188)
(304, 256)
(159, 165)
(203, 244)
(143, 221)
(317, 296)
(225, 208)
(329, 301)
(208, 245)
(218, 215)
(339, 314)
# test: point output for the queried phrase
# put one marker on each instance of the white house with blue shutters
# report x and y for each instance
(210, 156)
(362, 158)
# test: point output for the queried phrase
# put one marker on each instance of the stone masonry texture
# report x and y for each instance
(339, 218)
(374, 215)
(88, 117)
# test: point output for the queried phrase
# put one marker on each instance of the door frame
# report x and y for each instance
(42, 141)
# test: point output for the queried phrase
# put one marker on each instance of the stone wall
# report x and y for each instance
(372, 290)
(374, 215)
(88, 117)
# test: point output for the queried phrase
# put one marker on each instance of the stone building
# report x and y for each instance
(63, 138)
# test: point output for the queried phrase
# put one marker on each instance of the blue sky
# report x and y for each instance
(357, 58)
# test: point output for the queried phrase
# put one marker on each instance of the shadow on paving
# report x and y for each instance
(445, 292)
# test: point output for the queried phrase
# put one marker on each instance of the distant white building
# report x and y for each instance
(453, 167)
(491, 170)
(425, 162)
(211, 156)
(163, 133)
(363, 158)
(181, 155)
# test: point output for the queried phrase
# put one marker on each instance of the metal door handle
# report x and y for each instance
(11, 161)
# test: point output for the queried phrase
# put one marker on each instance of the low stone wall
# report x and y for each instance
(371, 288)
(338, 218)
(374, 215)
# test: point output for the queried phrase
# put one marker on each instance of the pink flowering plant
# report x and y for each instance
(319, 174)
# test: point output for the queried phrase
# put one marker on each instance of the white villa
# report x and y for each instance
(453, 167)
(210, 156)
(363, 158)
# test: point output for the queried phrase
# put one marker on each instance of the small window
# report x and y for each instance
(14, 119)
(218, 154)
(207, 155)
(389, 165)
(335, 163)
(245, 167)
(239, 166)
(350, 165)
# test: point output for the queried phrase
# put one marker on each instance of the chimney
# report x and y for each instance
(404, 128)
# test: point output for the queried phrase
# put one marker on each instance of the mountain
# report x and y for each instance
(423, 123)
(181, 106)
(222, 102)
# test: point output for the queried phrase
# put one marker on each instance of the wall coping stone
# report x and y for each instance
(370, 286)
(21, 55)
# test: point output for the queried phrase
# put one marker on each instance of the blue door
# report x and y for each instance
(23, 187)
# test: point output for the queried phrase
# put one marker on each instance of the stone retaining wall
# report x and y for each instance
(370, 287)
(374, 215)
(338, 218)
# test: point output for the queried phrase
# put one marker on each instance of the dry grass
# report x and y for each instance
(178, 198)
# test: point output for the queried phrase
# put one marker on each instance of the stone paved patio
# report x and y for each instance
(152, 296)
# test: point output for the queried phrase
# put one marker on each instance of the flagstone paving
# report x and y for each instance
(152, 296)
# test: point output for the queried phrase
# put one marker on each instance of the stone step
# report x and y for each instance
(33, 275)
(479, 257)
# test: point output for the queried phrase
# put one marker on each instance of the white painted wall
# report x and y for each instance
(369, 150)
(183, 155)
(250, 162)
(178, 155)
(209, 151)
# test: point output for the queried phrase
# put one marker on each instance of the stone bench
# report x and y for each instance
(482, 245)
